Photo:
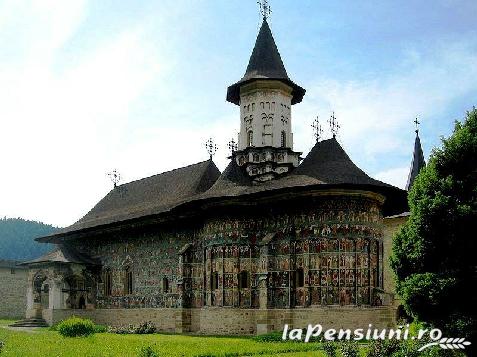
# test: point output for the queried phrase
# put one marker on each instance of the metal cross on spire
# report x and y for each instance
(317, 129)
(334, 126)
(265, 9)
(115, 177)
(211, 147)
(417, 122)
(232, 145)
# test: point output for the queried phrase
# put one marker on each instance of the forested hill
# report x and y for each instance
(17, 238)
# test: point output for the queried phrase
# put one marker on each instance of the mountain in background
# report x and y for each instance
(17, 238)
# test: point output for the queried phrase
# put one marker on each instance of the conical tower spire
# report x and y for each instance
(265, 64)
(418, 161)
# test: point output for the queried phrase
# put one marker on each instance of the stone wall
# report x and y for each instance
(391, 226)
(13, 292)
(233, 321)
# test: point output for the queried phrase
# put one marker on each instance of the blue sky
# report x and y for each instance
(88, 86)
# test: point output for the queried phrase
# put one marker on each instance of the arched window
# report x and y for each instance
(250, 138)
(108, 283)
(165, 285)
(299, 278)
(244, 280)
(283, 137)
(128, 281)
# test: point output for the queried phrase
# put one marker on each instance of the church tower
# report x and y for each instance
(265, 95)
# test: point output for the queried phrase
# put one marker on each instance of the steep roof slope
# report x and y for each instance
(151, 195)
(265, 63)
(418, 162)
(328, 162)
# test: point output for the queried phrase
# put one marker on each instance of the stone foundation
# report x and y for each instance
(233, 321)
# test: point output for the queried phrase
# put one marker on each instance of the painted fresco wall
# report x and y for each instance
(326, 253)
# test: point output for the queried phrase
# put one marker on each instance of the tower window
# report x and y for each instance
(250, 138)
(165, 285)
(283, 141)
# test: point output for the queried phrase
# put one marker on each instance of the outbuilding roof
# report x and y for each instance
(62, 254)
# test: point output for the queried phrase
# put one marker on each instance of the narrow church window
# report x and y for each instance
(214, 281)
(244, 280)
(165, 285)
(273, 106)
(250, 138)
(253, 107)
(128, 282)
(283, 142)
(299, 278)
(108, 283)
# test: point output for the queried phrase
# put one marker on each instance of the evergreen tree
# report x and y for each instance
(434, 253)
(17, 238)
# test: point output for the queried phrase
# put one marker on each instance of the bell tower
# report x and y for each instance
(265, 95)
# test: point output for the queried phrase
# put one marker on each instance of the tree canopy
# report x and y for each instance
(17, 238)
(434, 253)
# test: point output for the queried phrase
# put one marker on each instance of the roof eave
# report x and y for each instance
(233, 91)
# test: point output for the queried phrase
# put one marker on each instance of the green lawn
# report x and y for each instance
(42, 342)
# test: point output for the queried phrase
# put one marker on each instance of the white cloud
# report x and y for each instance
(376, 115)
(396, 176)
(60, 132)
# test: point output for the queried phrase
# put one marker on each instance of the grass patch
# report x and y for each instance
(50, 343)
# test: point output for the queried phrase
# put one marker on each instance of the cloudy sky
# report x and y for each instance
(89, 86)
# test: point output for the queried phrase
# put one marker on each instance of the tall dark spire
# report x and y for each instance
(265, 63)
(265, 60)
(417, 161)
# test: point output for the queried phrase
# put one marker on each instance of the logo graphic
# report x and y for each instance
(448, 343)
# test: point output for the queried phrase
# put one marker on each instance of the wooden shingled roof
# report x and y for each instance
(62, 254)
(326, 166)
(265, 63)
(150, 195)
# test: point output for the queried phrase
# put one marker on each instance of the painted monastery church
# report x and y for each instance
(274, 239)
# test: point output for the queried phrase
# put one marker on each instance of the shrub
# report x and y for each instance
(144, 328)
(100, 328)
(349, 349)
(380, 348)
(2, 344)
(147, 351)
(76, 327)
(329, 348)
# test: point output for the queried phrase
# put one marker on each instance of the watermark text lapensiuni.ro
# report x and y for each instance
(370, 333)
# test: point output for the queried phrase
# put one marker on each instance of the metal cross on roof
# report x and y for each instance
(211, 147)
(232, 145)
(417, 122)
(265, 9)
(317, 129)
(334, 126)
(115, 177)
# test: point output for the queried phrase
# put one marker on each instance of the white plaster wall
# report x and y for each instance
(267, 113)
